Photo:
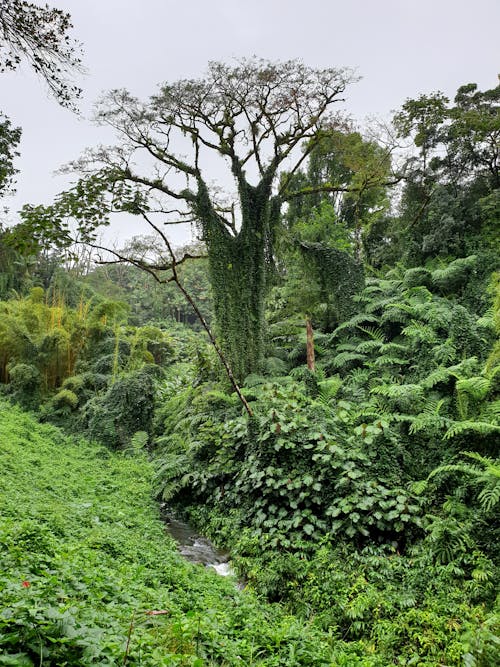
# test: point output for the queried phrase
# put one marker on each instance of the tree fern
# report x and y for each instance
(454, 275)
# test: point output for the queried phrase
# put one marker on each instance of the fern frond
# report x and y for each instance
(398, 390)
(486, 473)
(455, 273)
(328, 389)
(459, 427)
(345, 357)
(394, 314)
(388, 360)
(490, 466)
(487, 321)
(476, 387)
(368, 346)
(489, 497)
(346, 347)
(358, 376)
(380, 304)
(444, 353)
(395, 347)
(441, 374)
(490, 412)
(375, 333)
(358, 319)
(421, 332)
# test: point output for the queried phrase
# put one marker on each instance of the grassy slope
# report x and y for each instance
(83, 552)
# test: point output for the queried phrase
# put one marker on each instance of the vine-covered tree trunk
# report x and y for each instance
(238, 270)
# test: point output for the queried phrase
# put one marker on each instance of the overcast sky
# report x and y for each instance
(401, 48)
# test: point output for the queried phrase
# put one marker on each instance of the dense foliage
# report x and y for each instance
(358, 492)
(89, 577)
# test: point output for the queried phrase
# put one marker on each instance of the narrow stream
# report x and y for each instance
(194, 547)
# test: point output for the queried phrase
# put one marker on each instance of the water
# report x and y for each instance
(194, 547)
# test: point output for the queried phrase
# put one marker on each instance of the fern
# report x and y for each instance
(441, 374)
(445, 353)
(380, 304)
(475, 387)
(328, 389)
(489, 497)
(485, 471)
(368, 346)
(375, 333)
(448, 538)
(481, 428)
(487, 321)
(345, 357)
(172, 475)
(394, 314)
(490, 412)
(137, 442)
(355, 322)
(395, 347)
(453, 275)
(346, 347)
(420, 332)
(429, 418)
(388, 360)
(398, 390)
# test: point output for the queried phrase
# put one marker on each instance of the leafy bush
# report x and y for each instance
(125, 408)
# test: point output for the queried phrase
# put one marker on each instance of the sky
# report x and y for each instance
(400, 48)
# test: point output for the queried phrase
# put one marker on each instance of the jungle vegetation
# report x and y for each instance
(354, 295)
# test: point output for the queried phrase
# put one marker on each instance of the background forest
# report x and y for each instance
(338, 428)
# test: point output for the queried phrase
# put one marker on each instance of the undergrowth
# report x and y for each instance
(89, 577)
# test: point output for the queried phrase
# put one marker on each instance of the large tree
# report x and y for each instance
(257, 116)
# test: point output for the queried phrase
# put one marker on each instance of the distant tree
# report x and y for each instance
(451, 200)
(363, 166)
(40, 35)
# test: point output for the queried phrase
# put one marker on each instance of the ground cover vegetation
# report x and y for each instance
(88, 575)
(357, 301)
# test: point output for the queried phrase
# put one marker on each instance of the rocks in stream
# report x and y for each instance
(194, 547)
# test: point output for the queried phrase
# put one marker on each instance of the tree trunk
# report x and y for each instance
(311, 365)
(238, 272)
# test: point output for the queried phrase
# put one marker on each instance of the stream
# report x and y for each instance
(194, 547)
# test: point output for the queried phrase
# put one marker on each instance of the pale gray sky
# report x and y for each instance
(401, 48)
